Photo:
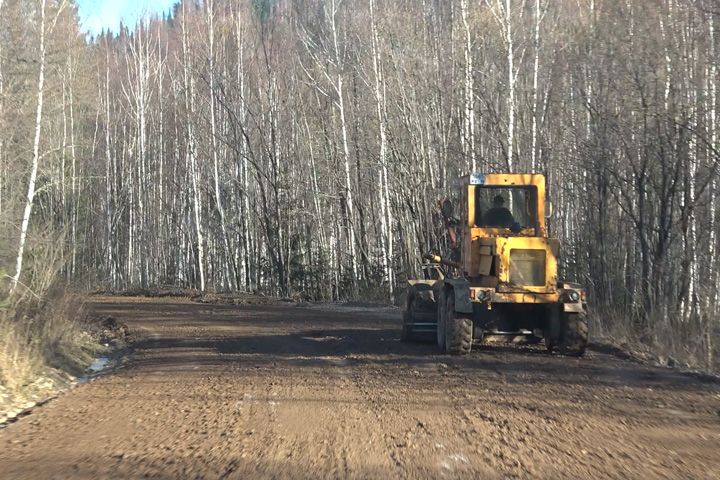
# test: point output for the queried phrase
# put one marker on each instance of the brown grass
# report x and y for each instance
(35, 334)
(694, 344)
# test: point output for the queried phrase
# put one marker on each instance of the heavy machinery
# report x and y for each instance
(501, 277)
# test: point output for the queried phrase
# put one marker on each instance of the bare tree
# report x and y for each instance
(36, 143)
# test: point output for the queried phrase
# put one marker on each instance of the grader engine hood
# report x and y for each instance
(520, 264)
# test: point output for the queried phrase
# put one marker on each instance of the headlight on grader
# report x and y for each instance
(574, 296)
(480, 295)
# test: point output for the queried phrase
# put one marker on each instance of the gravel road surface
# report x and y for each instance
(277, 391)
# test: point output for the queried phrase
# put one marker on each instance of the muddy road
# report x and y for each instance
(275, 391)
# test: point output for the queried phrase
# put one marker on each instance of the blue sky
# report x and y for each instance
(96, 14)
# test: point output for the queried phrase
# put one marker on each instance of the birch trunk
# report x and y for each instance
(246, 271)
(36, 154)
(511, 83)
(691, 69)
(386, 221)
(189, 82)
(229, 271)
(2, 115)
(161, 259)
(536, 69)
(714, 185)
(469, 120)
(345, 148)
(110, 263)
(503, 15)
(73, 171)
(141, 117)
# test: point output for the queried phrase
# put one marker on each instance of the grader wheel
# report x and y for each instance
(574, 334)
(458, 329)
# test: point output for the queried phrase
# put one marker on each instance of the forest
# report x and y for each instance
(299, 148)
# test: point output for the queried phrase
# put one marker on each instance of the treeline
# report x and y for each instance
(300, 147)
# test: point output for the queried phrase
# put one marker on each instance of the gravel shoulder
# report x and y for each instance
(283, 391)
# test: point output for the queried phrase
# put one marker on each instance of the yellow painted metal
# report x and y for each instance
(482, 246)
(525, 297)
(505, 180)
(550, 245)
(493, 296)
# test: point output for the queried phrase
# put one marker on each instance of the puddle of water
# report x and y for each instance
(97, 366)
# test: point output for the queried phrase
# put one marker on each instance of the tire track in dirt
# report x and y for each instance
(274, 392)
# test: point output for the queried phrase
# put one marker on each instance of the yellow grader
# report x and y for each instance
(501, 277)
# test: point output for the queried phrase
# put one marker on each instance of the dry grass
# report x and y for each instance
(693, 344)
(35, 334)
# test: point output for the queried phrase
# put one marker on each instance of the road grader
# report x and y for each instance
(501, 277)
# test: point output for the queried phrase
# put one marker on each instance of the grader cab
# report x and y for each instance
(501, 277)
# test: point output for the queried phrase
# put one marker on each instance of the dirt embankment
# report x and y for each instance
(280, 391)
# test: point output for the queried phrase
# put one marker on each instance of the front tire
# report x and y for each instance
(458, 329)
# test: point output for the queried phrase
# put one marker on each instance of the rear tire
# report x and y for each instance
(552, 333)
(459, 329)
(575, 334)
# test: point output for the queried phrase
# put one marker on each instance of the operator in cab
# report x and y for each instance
(498, 215)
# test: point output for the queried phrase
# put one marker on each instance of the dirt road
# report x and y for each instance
(276, 391)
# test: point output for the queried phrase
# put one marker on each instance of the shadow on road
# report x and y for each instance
(190, 336)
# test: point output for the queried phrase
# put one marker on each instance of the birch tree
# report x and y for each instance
(386, 216)
(469, 117)
(2, 121)
(36, 143)
(502, 11)
(230, 274)
(192, 167)
(336, 57)
(301, 148)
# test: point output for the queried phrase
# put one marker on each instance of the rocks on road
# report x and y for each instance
(280, 391)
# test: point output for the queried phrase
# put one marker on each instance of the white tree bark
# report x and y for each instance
(339, 64)
(539, 14)
(36, 151)
(73, 172)
(712, 79)
(511, 83)
(138, 93)
(194, 174)
(668, 60)
(2, 115)
(386, 217)
(503, 15)
(469, 118)
(109, 175)
(229, 271)
(248, 236)
(691, 69)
